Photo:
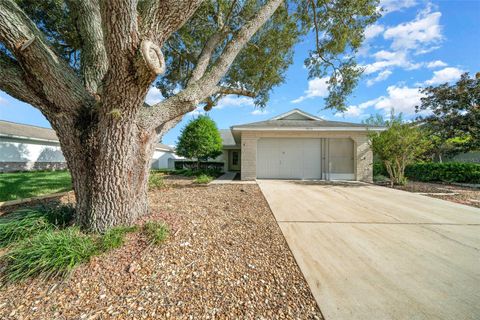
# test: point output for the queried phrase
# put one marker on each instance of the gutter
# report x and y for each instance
(307, 129)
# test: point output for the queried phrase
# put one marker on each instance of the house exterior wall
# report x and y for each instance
(363, 157)
(23, 155)
(163, 159)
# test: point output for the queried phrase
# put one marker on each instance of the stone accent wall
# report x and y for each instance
(27, 166)
(249, 157)
(363, 159)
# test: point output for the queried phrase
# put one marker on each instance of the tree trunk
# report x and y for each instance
(109, 164)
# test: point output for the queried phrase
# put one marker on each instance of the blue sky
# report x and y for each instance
(414, 44)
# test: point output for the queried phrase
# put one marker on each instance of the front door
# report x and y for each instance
(234, 160)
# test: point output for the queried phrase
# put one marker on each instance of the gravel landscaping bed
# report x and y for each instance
(225, 258)
(454, 193)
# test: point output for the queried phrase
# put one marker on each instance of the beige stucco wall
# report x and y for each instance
(362, 152)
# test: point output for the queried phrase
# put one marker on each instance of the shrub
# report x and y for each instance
(156, 232)
(446, 172)
(203, 179)
(113, 238)
(155, 180)
(21, 224)
(380, 178)
(27, 222)
(48, 254)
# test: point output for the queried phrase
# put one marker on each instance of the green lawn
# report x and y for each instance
(20, 185)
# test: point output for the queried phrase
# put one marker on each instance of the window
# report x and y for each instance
(235, 158)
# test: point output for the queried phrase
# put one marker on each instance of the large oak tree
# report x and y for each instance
(88, 65)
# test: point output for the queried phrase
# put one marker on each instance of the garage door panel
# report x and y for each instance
(341, 162)
(312, 167)
(268, 162)
(288, 158)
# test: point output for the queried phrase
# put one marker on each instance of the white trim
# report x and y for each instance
(303, 113)
(3, 135)
(307, 129)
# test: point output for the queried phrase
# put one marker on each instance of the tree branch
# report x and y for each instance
(206, 55)
(94, 63)
(159, 19)
(59, 84)
(237, 91)
(197, 91)
(12, 81)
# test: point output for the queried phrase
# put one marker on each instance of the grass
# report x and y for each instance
(156, 180)
(156, 232)
(42, 242)
(48, 254)
(114, 238)
(27, 222)
(20, 185)
(203, 179)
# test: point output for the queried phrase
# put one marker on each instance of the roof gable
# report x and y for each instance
(297, 114)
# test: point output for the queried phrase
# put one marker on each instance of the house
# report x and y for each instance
(26, 147)
(298, 145)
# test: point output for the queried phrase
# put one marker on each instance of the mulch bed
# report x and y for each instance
(453, 193)
(225, 258)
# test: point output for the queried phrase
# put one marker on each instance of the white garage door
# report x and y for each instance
(289, 158)
(340, 159)
(302, 159)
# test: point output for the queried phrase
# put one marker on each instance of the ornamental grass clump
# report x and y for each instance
(49, 254)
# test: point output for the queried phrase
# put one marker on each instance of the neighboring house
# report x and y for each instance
(298, 145)
(25, 147)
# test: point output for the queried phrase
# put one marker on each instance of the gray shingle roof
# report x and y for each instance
(300, 124)
(227, 137)
(13, 129)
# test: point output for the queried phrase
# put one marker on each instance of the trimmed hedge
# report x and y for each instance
(447, 172)
(435, 171)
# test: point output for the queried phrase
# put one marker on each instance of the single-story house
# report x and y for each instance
(298, 145)
(26, 147)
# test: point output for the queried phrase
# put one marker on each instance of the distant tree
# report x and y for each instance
(200, 139)
(398, 146)
(379, 120)
(453, 116)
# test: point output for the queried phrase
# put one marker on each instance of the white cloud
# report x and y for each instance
(153, 96)
(389, 6)
(380, 77)
(234, 101)
(424, 31)
(357, 111)
(373, 30)
(445, 75)
(259, 112)
(385, 59)
(401, 99)
(436, 64)
(317, 87)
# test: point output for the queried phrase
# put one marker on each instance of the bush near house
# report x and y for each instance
(445, 172)
(436, 172)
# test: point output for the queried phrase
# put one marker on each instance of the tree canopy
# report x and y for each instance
(88, 65)
(453, 115)
(200, 139)
(398, 146)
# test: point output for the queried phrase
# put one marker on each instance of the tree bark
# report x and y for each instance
(106, 132)
(109, 169)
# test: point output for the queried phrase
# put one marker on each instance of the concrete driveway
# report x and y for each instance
(370, 252)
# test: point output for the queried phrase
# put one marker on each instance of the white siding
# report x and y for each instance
(29, 152)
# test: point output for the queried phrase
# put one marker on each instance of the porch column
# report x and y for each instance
(363, 159)
(249, 156)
